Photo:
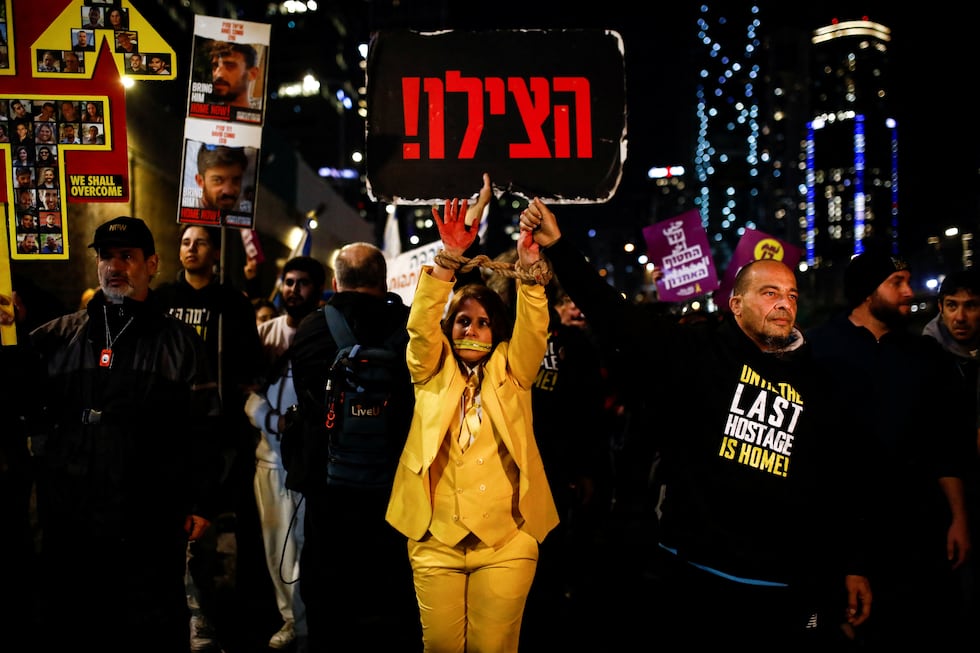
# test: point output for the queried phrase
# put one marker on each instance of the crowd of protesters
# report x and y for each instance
(739, 478)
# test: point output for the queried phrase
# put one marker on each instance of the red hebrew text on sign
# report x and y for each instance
(544, 114)
(533, 103)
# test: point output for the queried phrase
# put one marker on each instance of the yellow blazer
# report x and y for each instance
(505, 399)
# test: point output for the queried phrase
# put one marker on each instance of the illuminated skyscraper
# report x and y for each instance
(851, 145)
(728, 162)
(795, 134)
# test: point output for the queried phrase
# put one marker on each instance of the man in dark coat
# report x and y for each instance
(123, 444)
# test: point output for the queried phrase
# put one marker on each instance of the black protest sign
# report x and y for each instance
(542, 111)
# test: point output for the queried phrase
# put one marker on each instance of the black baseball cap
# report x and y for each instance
(124, 231)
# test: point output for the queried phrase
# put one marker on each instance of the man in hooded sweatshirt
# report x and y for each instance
(957, 329)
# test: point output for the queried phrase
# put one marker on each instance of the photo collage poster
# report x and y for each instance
(72, 43)
(63, 119)
(59, 119)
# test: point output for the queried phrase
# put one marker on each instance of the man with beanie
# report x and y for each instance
(123, 445)
(901, 384)
(281, 510)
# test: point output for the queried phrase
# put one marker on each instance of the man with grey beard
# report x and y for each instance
(122, 441)
(916, 501)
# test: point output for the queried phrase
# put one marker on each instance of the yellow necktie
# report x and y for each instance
(470, 408)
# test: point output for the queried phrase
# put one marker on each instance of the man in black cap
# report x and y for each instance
(122, 445)
(903, 388)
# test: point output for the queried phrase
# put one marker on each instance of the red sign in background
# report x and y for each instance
(28, 23)
(33, 28)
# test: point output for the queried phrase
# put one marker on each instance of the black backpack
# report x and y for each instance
(367, 395)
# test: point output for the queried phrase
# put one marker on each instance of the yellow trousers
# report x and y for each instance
(471, 598)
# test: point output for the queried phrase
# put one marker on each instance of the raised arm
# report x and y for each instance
(609, 313)
(528, 251)
(458, 227)
(539, 219)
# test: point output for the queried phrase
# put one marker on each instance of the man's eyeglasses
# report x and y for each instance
(289, 283)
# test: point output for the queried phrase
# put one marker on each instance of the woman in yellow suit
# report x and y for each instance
(470, 492)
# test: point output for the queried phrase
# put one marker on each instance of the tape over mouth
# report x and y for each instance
(473, 345)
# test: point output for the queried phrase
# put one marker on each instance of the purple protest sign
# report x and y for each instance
(679, 247)
(754, 245)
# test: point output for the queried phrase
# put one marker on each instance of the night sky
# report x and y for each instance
(933, 67)
(931, 60)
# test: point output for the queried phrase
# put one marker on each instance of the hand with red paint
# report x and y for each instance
(455, 233)
(195, 526)
(528, 251)
(459, 229)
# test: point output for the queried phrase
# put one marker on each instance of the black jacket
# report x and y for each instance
(921, 432)
(122, 449)
(220, 307)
